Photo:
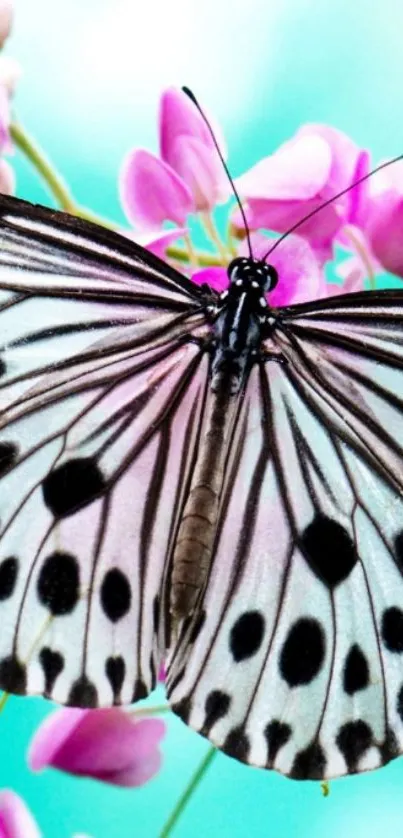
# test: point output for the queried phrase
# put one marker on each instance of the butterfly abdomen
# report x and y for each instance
(196, 534)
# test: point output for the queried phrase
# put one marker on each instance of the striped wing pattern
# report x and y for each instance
(102, 389)
(295, 658)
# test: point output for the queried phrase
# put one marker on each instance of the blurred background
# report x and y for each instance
(92, 75)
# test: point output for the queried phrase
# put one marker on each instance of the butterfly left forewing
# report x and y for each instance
(297, 663)
(102, 386)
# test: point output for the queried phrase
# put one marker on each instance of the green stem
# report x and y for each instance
(204, 259)
(53, 180)
(3, 700)
(36, 156)
(190, 788)
(155, 710)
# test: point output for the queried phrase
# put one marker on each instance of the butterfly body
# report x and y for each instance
(169, 496)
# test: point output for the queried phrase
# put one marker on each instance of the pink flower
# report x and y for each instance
(300, 274)
(16, 820)
(151, 192)
(188, 176)
(107, 745)
(6, 19)
(302, 174)
(383, 224)
(155, 241)
(187, 146)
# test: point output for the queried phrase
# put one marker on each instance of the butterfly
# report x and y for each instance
(205, 481)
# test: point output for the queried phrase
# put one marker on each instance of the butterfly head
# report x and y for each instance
(251, 275)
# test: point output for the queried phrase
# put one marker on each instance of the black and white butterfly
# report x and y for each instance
(203, 481)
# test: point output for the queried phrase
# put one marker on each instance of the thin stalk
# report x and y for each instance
(3, 701)
(192, 253)
(190, 788)
(204, 259)
(212, 232)
(155, 710)
(54, 181)
(359, 248)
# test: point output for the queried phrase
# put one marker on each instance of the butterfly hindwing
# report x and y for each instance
(101, 391)
(294, 660)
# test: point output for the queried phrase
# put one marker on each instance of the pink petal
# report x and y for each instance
(16, 820)
(156, 241)
(300, 274)
(151, 192)
(215, 277)
(51, 735)
(6, 19)
(201, 169)
(5, 139)
(297, 171)
(10, 73)
(7, 178)
(179, 117)
(312, 168)
(107, 745)
(384, 221)
(187, 146)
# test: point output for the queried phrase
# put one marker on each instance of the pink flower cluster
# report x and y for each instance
(187, 179)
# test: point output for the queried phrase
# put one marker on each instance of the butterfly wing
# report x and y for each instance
(295, 659)
(102, 382)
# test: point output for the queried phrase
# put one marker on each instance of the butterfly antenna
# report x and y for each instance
(236, 194)
(329, 201)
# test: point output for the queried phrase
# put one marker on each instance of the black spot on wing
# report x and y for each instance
(328, 550)
(399, 550)
(8, 457)
(13, 675)
(156, 614)
(237, 744)
(52, 664)
(140, 690)
(216, 707)
(303, 652)
(115, 672)
(389, 748)
(246, 635)
(309, 764)
(8, 577)
(392, 629)
(277, 735)
(115, 595)
(356, 671)
(72, 485)
(399, 702)
(353, 739)
(83, 693)
(59, 583)
(3, 368)
(183, 708)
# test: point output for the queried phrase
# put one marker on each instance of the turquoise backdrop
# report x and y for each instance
(92, 74)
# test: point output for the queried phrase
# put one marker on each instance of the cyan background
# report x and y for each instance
(93, 71)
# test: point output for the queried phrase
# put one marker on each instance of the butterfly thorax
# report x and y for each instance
(237, 336)
(238, 327)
